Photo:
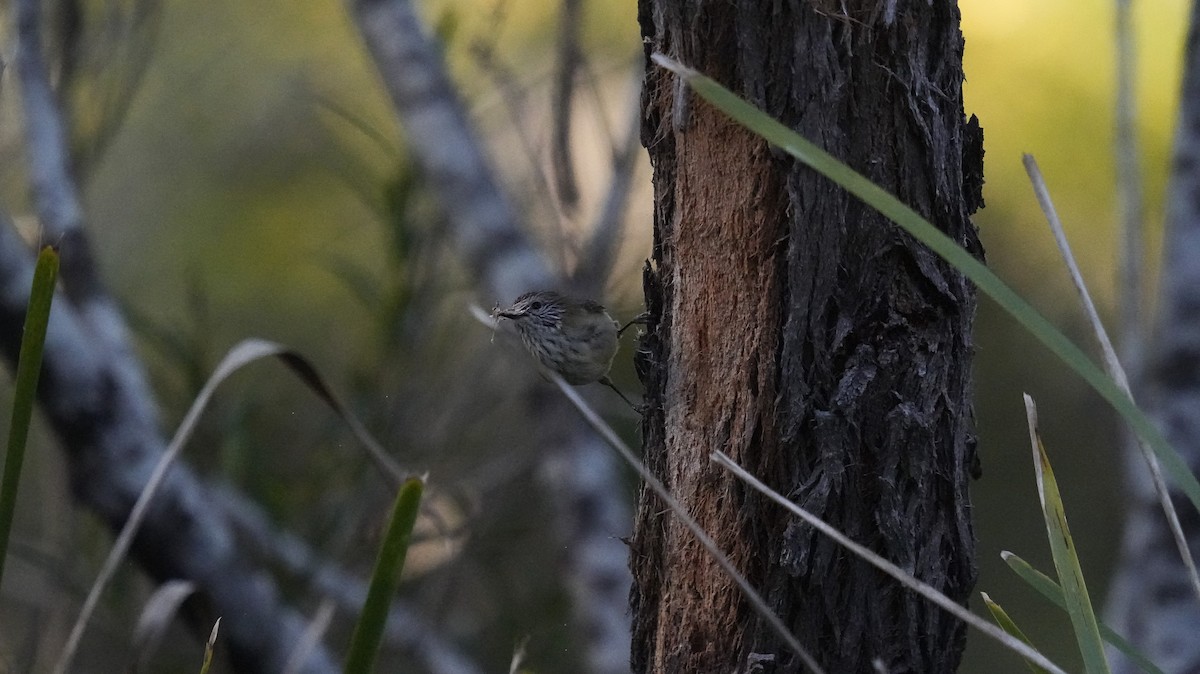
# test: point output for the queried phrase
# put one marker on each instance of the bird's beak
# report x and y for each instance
(508, 313)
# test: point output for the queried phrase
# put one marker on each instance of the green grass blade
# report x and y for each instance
(1066, 559)
(29, 367)
(364, 645)
(1049, 589)
(1007, 624)
(988, 283)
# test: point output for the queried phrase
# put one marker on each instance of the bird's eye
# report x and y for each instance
(535, 306)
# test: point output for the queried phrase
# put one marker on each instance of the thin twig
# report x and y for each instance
(610, 436)
(499, 255)
(569, 56)
(601, 250)
(241, 354)
(1112, 365)
(91, 372)
(439, 134)
(55, 195)
(1131, 270)
(599, 97)
(57, 202)
(312, 636)
(1040, 190)
(756, 600)
(512, 96)
(908, 580)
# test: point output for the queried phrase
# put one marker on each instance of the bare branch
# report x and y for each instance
(95, 395)
(588, 503)
(54, 193)
(564, 95)
(601, 251)
(1148, 600)
(1132, 269)
(1112, 366)
(910, 581)
(239, 356)
(513, 94)
(440, 135)
(112, 445)
(56, 199)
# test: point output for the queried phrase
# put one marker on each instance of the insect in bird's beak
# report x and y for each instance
(495, 322)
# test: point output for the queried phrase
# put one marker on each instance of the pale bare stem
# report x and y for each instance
(443, 142)
(113, 445)
(583, 481)
(240, 355)
(125, 539)
(756, 601)
(513, 97)
(54, 193)
(569, 56)
(311, 637)
(908, 580)
(1146, 599)
(498, 253)
(601, 250)
(1111, 363)
(1131, 270)
(95, 393)
(1112, 366)
(56, 200)
(613, 440)
(599, 98)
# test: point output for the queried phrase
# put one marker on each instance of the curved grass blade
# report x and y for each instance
(29, 367)
(242, 354)
(157, 613)
(1066, 560)
(1112, 365)
(988, 283)
(1007, 624)
(1049, 589)
(368, 632)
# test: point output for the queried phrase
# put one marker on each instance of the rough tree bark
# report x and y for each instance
(806, 336)
(1150, 601)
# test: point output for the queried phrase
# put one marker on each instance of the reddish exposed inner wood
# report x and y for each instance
(726, 313)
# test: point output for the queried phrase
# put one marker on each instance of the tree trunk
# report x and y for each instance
(806, 336)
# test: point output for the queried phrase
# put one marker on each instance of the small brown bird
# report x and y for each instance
(575, 338)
